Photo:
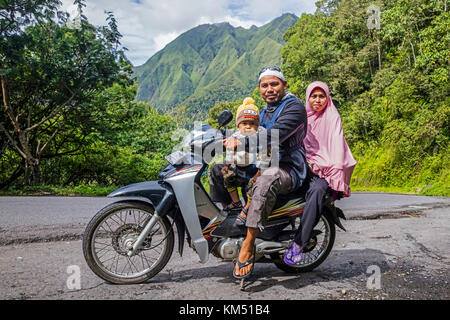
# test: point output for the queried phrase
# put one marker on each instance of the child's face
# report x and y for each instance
(248, 127)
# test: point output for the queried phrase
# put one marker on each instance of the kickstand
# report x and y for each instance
(242, 287)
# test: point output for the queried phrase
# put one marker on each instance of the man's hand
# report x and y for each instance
(231, 143)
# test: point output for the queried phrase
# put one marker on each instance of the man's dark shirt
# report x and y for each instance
(291, 124)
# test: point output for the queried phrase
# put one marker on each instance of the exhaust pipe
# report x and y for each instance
(268, 247)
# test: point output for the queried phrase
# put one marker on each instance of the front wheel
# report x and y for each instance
(110, 234)
(318, 249)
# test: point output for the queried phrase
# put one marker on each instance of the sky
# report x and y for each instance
(147, 26)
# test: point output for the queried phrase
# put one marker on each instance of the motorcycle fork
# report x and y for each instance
(143, 235)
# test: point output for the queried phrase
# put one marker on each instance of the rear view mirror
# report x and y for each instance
(224, 118)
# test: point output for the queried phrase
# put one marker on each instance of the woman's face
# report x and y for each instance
(318, 100)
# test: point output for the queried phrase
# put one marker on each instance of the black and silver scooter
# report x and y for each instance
(132, 239)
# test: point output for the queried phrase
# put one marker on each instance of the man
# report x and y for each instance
(284, 115)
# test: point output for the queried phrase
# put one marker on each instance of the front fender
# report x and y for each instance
(158, 193)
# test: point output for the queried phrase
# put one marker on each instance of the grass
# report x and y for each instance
(47, 190)
(409, 191)
(427, 190)
(96, 190)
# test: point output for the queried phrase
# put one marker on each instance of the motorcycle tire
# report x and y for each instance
(108, 233)
(307, 266)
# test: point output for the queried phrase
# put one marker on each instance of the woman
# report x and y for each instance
(329, 158)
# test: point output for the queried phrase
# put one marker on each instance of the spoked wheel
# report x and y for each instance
(112, 232)
(318, 249)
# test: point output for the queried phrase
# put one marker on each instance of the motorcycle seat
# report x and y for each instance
(283, 200)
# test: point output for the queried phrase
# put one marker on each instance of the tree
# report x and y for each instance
(50, 74)
(218, 108)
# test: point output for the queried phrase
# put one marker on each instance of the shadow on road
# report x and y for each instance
(341, 265)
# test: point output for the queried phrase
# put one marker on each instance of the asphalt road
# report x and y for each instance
(395, 247)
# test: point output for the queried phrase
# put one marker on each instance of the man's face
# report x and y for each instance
(272, 89)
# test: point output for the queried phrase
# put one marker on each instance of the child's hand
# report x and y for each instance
(224, 170)
(231, 143)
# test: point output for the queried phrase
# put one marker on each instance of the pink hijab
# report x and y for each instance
(327, 151)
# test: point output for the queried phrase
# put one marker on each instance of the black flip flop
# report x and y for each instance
(237, 206)
(243, 264)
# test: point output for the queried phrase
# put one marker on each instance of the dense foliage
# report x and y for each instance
(392, 85)
(69, 114)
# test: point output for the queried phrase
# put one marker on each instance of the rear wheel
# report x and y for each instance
(318, 249)
(110, 234)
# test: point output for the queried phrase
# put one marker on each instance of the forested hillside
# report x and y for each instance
(392, 84)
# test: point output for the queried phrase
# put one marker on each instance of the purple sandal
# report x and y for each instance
(293, 255)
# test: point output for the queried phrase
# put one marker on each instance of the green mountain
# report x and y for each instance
(211, 63)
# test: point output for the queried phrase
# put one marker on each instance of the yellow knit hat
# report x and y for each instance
(247, 111)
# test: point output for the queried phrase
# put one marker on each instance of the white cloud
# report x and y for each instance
(148, 25)
(162, 39)
(269, 10)
(239, 22)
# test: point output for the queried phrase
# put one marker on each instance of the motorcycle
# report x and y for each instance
(131, 240)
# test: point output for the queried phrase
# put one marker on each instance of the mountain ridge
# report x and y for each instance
(210, 63)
